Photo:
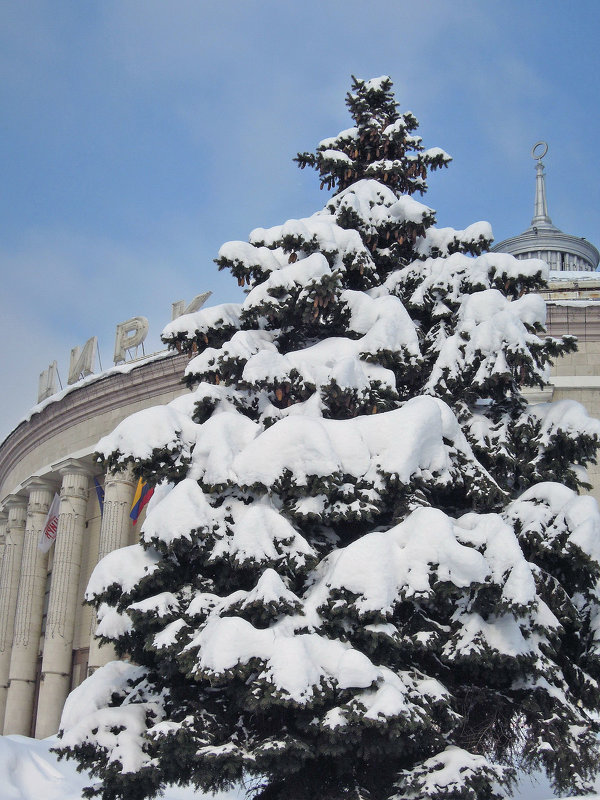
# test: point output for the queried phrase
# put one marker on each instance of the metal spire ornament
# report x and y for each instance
(540, 209)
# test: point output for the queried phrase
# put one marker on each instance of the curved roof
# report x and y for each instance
(543, 239)
(73, 421)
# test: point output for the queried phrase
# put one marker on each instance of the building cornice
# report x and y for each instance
(544, 238)
(115, 392)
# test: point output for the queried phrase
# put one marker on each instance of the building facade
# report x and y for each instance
(47, 643)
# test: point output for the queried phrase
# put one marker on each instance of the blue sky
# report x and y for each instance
(139, 135)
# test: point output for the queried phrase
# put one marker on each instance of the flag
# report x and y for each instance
(142, 495)
(100, 495)
(48, 535)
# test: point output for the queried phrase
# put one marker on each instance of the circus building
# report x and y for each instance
(47, 644)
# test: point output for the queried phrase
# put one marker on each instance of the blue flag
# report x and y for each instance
(100, 493)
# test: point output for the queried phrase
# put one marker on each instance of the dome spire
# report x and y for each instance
(542, 239)
(540, 210)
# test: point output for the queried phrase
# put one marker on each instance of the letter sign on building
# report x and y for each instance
(129, 334)
(82, 361)
(179, 307)
(47, 383)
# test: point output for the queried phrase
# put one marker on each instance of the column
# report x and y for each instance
(9, 583)
(115, 532)
(3, 523)
(62, 604)
(28, 616)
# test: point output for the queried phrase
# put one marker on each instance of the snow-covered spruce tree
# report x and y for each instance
(365, 571)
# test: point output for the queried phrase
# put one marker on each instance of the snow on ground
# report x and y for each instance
(29, 771)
